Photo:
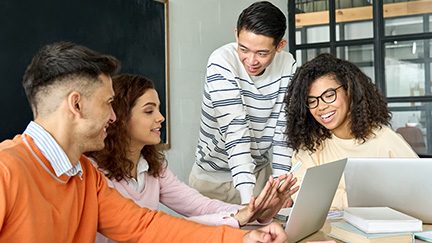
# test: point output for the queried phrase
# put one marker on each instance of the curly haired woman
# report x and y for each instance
(334, 111)
(135, 166)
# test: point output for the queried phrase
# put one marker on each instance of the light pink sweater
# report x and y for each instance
(173, 193)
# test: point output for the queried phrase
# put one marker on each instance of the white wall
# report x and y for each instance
(197, 27)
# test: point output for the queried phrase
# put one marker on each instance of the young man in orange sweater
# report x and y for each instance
(49, 191)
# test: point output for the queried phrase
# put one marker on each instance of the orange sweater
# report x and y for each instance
(36, 206)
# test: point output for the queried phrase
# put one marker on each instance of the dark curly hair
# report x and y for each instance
(367, 111)
(113, 158)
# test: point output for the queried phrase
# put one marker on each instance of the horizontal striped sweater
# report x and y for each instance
(243, 120)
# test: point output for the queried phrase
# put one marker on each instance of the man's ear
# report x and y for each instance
(281, 45)
(236, 35)
(75, 103)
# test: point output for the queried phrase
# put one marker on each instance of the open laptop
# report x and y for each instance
(314, 199)
(404, 184)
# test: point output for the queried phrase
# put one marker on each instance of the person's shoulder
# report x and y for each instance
(8, 143)
(284, 57)
(302, 154)
(166, 175)
(285, 54)
(14, 154)
(384, 131)
(387, 138)
(12, 147)
(89, 165)
(386, 135)
(227, 51)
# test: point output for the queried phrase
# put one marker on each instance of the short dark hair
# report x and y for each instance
(57, 61)
(367, 111)
(263, 18)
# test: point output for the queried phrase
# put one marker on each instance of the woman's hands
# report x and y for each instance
(275, 195)
(281, 199)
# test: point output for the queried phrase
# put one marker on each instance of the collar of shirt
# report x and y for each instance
(138, 184)
(142, 165)
(52, 151)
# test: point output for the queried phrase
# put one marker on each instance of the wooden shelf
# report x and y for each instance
(364, 13)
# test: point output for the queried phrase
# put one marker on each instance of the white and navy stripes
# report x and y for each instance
(52, 151)
(242, 120)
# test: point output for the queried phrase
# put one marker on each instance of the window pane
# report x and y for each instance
(357, 30)
(352, 3)
(317, 34)
(308, 6)
(357, 54)
(414, 122)
(303, 56)
(299, 57)
(406, 17)
(404, 25)
(412, 50)
(430, 22)
(298, 37)
(361, 55)
(405, 68)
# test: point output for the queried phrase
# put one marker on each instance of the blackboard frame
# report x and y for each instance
(167, 141)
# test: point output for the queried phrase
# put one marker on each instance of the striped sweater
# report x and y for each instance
(243, 120)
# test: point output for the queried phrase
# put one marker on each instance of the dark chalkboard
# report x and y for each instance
(131, 30)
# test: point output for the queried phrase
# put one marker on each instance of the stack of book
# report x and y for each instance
(375, 225)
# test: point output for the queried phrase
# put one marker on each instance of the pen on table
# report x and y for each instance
(296, 166)
(293, 169)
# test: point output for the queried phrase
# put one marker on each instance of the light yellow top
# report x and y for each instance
(384, 144)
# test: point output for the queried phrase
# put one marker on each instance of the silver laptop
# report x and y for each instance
(404, 184)
(314, 199)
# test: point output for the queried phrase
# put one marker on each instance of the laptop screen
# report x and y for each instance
(404, 184)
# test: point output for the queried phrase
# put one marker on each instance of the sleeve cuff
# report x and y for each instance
(277, 173)
(246, 192)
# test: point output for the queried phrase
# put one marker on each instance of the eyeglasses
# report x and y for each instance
(328, 97)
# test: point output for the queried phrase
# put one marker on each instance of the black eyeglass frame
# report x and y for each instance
(321, 97)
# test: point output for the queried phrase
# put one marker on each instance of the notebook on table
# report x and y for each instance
(404, 184)
(381, 220)
(314, 199)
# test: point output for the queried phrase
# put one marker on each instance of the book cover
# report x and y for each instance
(283, 214)
(424, 236)
(346, 232)
(381, 220)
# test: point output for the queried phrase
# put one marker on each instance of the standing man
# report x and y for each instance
(50, 191)
(242, 115)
